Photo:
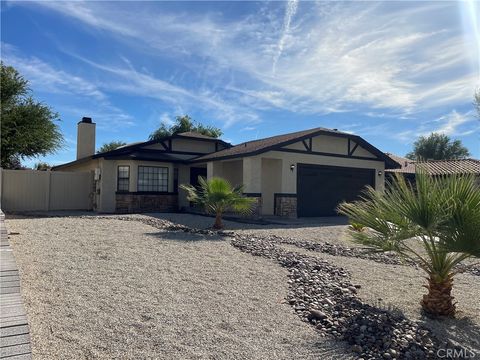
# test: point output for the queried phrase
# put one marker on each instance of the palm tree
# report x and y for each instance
(217, 195)
(434, 223)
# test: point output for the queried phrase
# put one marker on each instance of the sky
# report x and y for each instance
(386, 71)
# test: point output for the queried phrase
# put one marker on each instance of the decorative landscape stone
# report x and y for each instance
(322, 294)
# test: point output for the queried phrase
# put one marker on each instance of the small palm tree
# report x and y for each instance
(441, 214)
(217, 195)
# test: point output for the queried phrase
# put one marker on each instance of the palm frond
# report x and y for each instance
(441, 213)
(218, 195)
(460, 232)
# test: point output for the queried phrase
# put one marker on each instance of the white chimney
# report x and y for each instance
(85, 138)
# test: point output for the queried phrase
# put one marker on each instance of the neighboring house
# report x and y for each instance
(435, 167)
(306, 173)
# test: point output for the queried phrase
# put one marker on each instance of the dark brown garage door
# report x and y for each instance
(321, 188)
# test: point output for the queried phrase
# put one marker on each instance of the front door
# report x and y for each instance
(195, 172)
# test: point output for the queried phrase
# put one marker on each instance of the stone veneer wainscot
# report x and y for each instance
(138, 202)
(285, 205)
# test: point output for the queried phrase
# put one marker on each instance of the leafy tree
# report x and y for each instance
(434, 224)
(112, 145)
(185, 124)
(43, 166)
(217, 195)
(437, 147)
(28, 127)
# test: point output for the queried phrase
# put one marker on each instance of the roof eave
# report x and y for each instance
(389, 162)
(74, 162)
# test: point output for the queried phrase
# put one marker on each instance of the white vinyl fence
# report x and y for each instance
(32, 190)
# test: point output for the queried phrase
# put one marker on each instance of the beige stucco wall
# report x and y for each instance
(233, 171)
(214, 169)
(85, 139)
(252, 174)
(271, 183)
(331, 144)
(360, 151)
(193, 145)
(188, 145)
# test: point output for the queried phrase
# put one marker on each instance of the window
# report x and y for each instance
(123, 178)
(152, 178)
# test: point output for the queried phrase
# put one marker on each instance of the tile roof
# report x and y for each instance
(439, 167)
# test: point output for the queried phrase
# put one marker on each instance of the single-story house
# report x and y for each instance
(434, 167)
(305, 173)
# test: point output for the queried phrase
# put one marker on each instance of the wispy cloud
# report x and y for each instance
(130, 81)
(166, 119)
(81, 11)
(45, 78)
(455, 124)
(376, 57)
(290, 11)
(450, 124)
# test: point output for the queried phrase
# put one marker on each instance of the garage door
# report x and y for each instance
(321, 188)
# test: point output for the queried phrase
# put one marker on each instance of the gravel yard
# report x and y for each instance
(395, 287)
(105, 288)
(332, 230)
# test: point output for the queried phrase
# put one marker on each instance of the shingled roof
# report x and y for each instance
(255, 147)
(193, 134)
(439, 167)
(135, 150)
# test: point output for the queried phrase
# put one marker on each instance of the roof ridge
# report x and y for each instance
(291, 133)
(444, 160)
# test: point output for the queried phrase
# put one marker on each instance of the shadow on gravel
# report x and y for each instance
(267, 222)
(459, 331)
(183, 236)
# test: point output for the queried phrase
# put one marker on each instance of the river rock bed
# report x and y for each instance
(340, 250)
(322, 294)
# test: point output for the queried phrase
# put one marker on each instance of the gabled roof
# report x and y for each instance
(137, 145)
(256, 147)
(441, 167)
(136, 151)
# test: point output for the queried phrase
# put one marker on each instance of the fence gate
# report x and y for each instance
(33, 190)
